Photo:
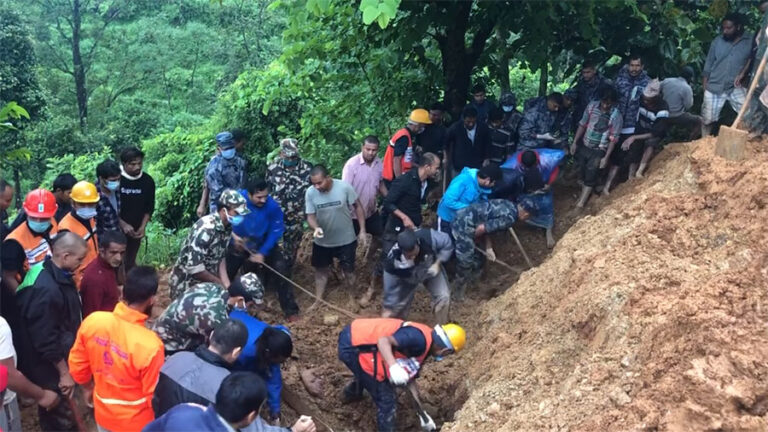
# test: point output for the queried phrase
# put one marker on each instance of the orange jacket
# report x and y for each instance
(388, 170)
(365, 333)
(36, 247)
(124, 359)
(88, 233)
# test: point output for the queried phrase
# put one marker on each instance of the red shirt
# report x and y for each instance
(98, 287)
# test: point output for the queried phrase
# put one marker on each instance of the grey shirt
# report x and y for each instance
(725, 60)
(677, 94)
(333, 213)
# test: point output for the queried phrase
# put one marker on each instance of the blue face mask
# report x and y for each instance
(86, 213)
(507, 108)
(290, 162)
(236, 219)
(39, 226)
(113, 185)
(229, 153)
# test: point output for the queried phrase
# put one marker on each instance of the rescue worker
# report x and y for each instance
(117, 359)
(82, 221)
(189, 320)
(202, 256)
(226, 170)
(266, 349)
(386, 352)
(471, 186)
(289, 178)
(400, 157)
(416, 259)
(512, 117)
(108, 208)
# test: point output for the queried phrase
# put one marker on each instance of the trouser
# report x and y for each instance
(59, 419)
(276, 260)
(713, 103)
(691, 123)
(445, 227)
(294, 231)
(398, 294)
(382, 392)
(589, 164)
(10, 421)
(132, 247)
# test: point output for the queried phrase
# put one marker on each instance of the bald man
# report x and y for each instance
(50, 316)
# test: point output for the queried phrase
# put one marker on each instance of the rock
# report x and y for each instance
(494, 409)
(330, 320)
(619, 397)
(312, 383)
(626, 361)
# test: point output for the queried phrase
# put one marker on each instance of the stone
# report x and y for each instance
(330, 320)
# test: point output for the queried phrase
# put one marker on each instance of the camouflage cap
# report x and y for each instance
(233, 199)
(252, 287)
(289, 147)
(508, 99)
(225, 140)
(571, 94)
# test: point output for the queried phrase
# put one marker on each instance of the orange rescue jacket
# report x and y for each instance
(88, 233)
(36, 247)
(365, 333)
(124, 358)
(388, 171)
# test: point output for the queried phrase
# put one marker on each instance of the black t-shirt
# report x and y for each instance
(137, 198)
(433, 139)
(62, 211)
(13, 256)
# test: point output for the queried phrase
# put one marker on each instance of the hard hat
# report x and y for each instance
(420, 115)
(40, 203)
(84, 192)
(455, 335)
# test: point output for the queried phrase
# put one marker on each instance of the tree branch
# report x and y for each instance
(480, 39)
(111, 16)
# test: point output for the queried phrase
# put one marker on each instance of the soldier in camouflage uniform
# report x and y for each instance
(189, 320)
(289, 178)
(201, 258)
(225, 171)
(476, 221)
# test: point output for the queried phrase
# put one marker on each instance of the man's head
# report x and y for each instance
(245, 289)
(232, 207)
(608, 98)
(62, 186)
(529, 159)
(370, 148)
(238, 136)
(687, 73)
(508, 102)
(84, 198)
(470, 117)
(408, 244)
(447, 339)
(418, 120)
(569, 98)
(141, 288)
(258, 191)
(652, 92)
(289, 152)
(635, 65)
(40, 207)
(112, 247)
(108, 173)
(588, 71)
(69, 251)
(555, 101)
(478, 94)
(240, 397)
(496, 117)
(488, 175)
(274, 345)
(228, 340)
(6, 195)
(320, 178)
(226, 145)
(436, 111)
(133, 160)
(732, 26)
(429, 166)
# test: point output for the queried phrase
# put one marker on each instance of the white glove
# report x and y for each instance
(546, 136)
(318, 233)
(434, 269)
(491, 254)
(428, 425)
(398, 375)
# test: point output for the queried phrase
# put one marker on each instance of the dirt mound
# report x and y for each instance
(648, 316)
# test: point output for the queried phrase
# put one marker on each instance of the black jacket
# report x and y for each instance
(404, 195)
(463, 152)
(50, 316)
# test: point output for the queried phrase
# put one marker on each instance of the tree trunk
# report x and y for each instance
(81, 91)
(543, 78)
(17, 183)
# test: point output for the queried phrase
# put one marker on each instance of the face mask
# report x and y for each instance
(39, 227)
(229, 153)
(86, 213)
(235, 220)
(507, 108)
(128, 176)
(290, 162)
(113, 185)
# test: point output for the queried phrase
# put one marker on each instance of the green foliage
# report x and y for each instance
(11, 111)
(82, 166)
(161, 245)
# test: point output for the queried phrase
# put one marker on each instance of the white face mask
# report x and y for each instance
(130, 177)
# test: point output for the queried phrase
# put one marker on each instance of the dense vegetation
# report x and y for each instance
(98, 75)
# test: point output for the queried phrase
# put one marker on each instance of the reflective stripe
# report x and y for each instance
(120, 402)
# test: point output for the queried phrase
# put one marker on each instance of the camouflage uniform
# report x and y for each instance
(189, 320)
(288, 187)
(204, 247)
(223, 174)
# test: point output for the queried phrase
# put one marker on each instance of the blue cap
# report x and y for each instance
(225, 140)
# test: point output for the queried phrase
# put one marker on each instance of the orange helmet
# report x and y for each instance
(40, 203)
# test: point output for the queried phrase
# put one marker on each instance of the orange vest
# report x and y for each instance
(388, 171)
(36, 246)
(365, 333)
(70, 223)
(124, 359)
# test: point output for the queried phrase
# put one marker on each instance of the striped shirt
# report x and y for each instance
(602, 127)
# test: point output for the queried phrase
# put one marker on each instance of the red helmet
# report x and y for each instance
(40, 203)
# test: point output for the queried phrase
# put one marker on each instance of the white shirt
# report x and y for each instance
(7, 351)
(471, 134)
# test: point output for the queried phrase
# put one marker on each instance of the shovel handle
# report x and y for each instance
(752, 86)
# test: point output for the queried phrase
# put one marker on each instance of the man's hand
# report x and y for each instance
(480, 230)
(362, 238)
(49, 400)
(398, 375)
(573, 148)
(66, 385)
(604, 162)
(627, 143)
(738, 80)
(490, 254)
(434, 269)
(238, 242)
(408, 223)
(318, 233)
(88, 396)
(256, 258)
(200, 211)
(127, 229)
(304, 424)
(427, 425)
(141, 232)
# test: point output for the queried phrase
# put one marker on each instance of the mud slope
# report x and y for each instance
(650, 314)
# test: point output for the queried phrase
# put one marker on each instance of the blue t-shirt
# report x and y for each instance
(410, 341)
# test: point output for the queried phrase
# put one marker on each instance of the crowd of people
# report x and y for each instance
(76, 306)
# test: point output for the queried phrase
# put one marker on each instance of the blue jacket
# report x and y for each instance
(248, 362)
(263, 226)
(463, 191)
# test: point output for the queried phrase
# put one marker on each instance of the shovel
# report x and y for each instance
(731, 142)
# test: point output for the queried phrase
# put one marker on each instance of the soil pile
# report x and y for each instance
(648, 315)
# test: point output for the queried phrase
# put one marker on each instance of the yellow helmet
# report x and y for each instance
(455, 335)
(84, 192)
(420, 115)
